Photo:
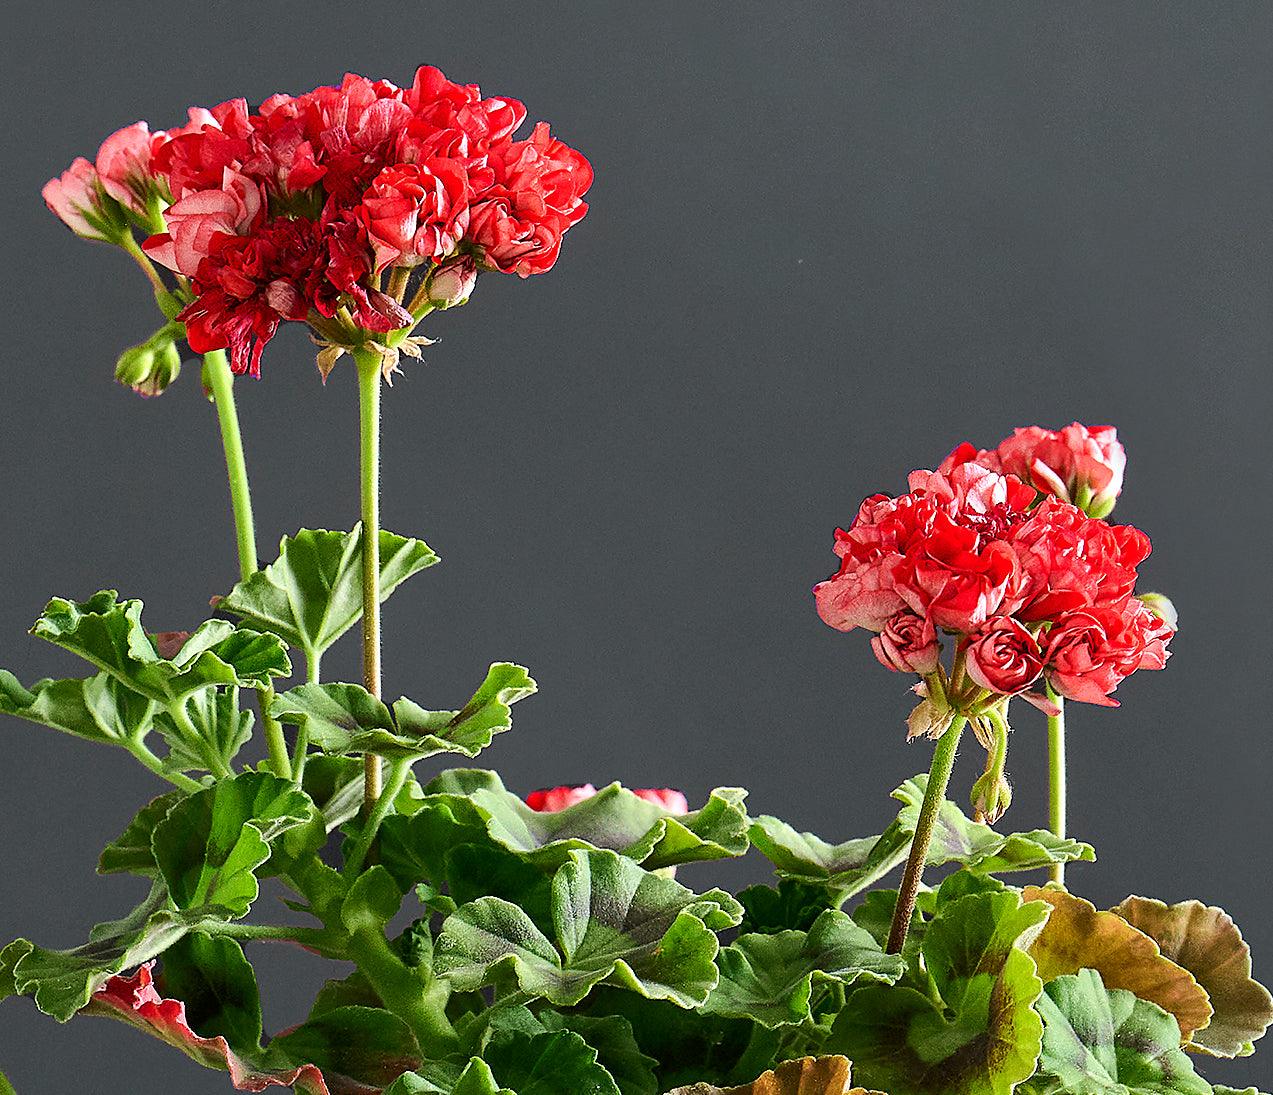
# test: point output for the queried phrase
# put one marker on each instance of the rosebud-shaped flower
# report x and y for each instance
(1090, 653)
(550, 800)
(908, 644)
(1004, 657)
(78, 199)
(198, 219)
(452, 284)
(124, 164)
(1078, 464)
(416, 211)
(670, 799)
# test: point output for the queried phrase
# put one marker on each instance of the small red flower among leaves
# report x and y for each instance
(551, 800)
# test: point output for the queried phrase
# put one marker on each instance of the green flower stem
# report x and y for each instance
(369, 434)
(130, 245)
(1056, 776)
(221, 383)
(934, 795)
(274, 739)
(177, 779)
(280, 933)
(420, 1004)
(398, 772)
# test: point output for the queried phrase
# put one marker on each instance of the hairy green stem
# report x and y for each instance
(140, 257)
(369, 448)
(221, 383)
(274, 739)
(934, 795)
(420, 1004)
(177, 779)
(398, 772)
(1056, 777)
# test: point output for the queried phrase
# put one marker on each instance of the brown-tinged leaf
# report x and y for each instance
(1077, 936)
(807, 1076)
(1205, 941)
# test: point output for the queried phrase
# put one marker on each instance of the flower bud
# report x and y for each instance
(907, 644)
(452, 285)
(991, 796)
(1160, 605)
(149, 368)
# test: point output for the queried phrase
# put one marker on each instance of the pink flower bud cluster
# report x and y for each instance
(295, 210)
(1028, 586)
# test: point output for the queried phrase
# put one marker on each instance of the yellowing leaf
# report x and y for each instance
(1077, 937)
(807, 1076)
(1205, 941)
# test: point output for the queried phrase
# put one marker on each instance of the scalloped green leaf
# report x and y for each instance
(223, 728)
(789, 906)
(346, 718)
(614, 819)
(215, 981)
(612, 923)
(132, 851)
(367, 1045)
(62, 981)
(108, 633)
(804, 1076)
(1205, 941)
(1099, 1041)
(615, 1043)
(977, 1033)
(856, 865)
(211, 845)
(97, 709)
(771, 979)
(312, 594)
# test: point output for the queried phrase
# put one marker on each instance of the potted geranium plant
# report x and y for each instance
(549, 947)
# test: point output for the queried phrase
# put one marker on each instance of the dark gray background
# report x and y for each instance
(827, 242)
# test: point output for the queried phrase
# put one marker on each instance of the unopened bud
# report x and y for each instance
(149, 369)
(452, 285)
(991, 797)
(1160, 605)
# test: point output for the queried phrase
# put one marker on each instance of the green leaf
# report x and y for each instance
(803, 1076)
(97, 709)
(790, 906)
(215, 715)
(312, 594)
(614, 819)
(367, 1045)
(131, 851)
(1098, 1041)
(1220, 1089)
(612, 922)
(346, 718)
(978, 1033)
(108, 633)
(856, 865)
(210, 846)
(6, 1088)
(214, 980)
(559, 1063)
(62, 982)
(617, 1050)
(772, 978)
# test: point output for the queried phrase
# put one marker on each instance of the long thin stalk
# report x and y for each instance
(398, 772)
(1056, 777)
(369, 435)
(221, 382)
(934, 795)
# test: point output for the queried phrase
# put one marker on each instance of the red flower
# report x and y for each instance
(1078, 464)
(552, 800)
(416, 212)
(537, 195)
(907, 644)
(1004, 657)
(670, 799)
(1090, 653)
(196, 156)
(78, 199)
(136, 1001)
(201, 215)
(125, 166)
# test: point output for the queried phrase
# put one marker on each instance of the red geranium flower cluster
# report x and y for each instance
(552, 800)
(1029, 585)
(294, 211)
